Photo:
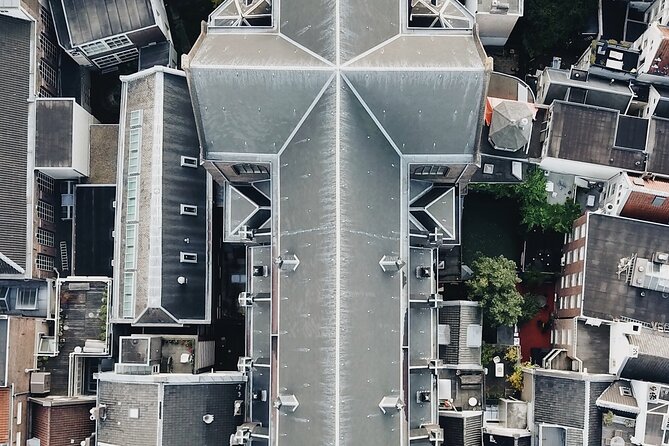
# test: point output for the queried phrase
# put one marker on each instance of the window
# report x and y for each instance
(562, 282)
(49, 50)
(49, 75)
(581, 253)
(577, 233)
(131, 211)
(117, 42)
(188, 257)
(188, 161)
(44, 262)
(44, 183)
(578, 301)
(583, 230)
(625, 391)
(187, 209)
(250, 169)
(91, 49)
(561, 302)
(658, 201)
(45, 211)
(430, 171)
(130, 244)
(27, 299)
(128, 293)
(135, 118)
(45, 237)
(580, 278)
(568, 257)
(133, 150)
(572, 301)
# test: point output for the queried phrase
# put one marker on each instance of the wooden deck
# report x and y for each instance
(80, 304)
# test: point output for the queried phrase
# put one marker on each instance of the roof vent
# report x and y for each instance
(181, 280)
(208, 419)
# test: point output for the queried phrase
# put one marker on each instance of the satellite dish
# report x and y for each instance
(473, 401)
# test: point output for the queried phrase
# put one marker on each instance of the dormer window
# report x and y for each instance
(189, 161)
(625, 391)
(187, 257)
(188, 209)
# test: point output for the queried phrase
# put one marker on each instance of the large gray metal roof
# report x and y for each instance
(82, 21)
(14, 74)
(338, 98)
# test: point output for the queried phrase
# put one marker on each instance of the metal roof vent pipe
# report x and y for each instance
(182, 280)
(208, 419)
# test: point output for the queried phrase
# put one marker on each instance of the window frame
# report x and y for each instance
(187, 257)
(189, 161)
(188, 209)
(32, 304)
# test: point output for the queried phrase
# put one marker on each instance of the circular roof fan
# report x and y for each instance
(617, 441)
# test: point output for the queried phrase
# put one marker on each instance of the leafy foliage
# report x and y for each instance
(516, 378)
(494, 285)
(530, 308)
(548, 24)
(512, 354)
(535, 210)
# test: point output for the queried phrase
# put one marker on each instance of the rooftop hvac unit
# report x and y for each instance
(660, 257)
(40, 382)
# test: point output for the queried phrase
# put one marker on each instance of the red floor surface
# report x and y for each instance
(530, 333)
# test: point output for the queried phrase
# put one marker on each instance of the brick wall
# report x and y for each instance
(62, 425)
(569, 292)
(40, 423)
(70, 423)
(4, 415)
(639, 205)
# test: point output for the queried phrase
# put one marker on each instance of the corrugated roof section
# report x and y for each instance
(14, 75)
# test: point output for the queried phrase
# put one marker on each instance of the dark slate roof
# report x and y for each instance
(184, 407)
(459, 317)
(93, 244)
(652, 363)
(614, 400)
(606, 296)
(90, 20)
(6, 267)
(155, 316)
(551, 392)
(658, 145)
(14, 75)
(587, 134)
(592, 346)
(594, 413)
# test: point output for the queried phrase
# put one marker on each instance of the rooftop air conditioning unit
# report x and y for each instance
(660, 257)
(40, 382)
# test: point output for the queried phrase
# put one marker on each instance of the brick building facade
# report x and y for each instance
(61, 421)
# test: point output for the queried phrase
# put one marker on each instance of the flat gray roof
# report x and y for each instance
(606, 296)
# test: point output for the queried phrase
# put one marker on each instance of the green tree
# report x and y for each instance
(549, 26)
(494, 286)
(535, 210)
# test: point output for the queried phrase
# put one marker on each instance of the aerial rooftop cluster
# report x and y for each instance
(292, 231)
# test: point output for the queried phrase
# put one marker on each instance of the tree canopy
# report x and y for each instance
(535, 210)
(548, 25)
(494, 286)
